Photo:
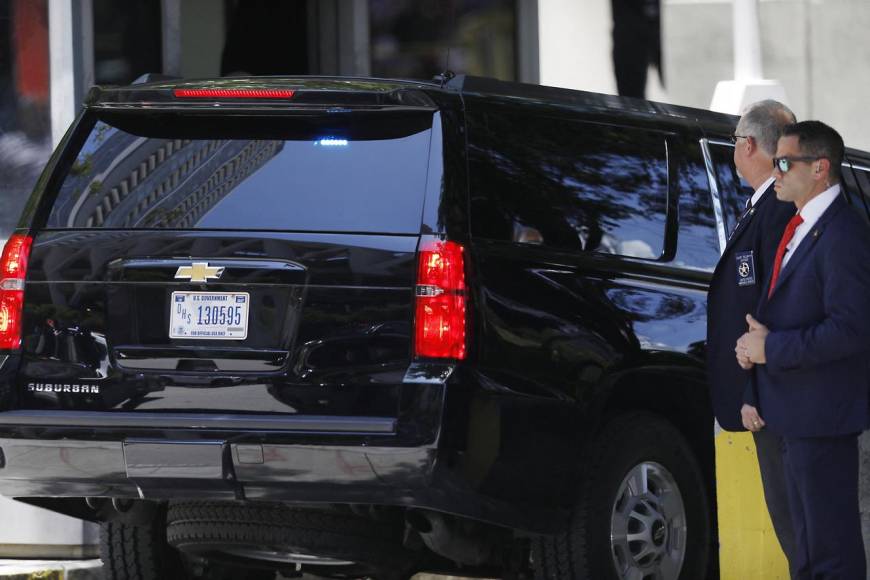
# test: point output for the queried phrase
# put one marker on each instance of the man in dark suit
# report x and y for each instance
(811, 347)
(734, 292)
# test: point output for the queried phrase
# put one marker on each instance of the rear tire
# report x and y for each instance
(635, 465)
(139, 552)
(266, 531)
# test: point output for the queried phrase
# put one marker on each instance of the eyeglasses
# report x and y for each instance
(735, 137)
(785, 163)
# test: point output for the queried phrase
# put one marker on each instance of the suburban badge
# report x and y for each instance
(74, 388)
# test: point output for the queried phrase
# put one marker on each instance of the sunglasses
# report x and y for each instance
(785, 163)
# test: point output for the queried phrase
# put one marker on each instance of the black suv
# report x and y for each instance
(363, 328)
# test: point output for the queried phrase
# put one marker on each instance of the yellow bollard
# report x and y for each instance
(748, 548)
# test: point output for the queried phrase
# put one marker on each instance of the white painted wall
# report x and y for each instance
(576, 47)
(575, 44)
(71, 62)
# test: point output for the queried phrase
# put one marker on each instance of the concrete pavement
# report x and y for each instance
(93, 570)
(51, 570)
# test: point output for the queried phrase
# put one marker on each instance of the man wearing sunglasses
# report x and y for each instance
(811, 351)
(734, 293)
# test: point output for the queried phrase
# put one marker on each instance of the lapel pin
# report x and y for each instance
(815, 234)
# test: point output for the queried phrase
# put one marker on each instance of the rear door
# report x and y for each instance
(231, 264)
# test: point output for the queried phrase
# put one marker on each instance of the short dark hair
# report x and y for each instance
(819, 140)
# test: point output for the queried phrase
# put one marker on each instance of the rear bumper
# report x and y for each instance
(393, 461)
(62, 453)
(217, 469)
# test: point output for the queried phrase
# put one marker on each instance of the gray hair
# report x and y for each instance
(765, 121)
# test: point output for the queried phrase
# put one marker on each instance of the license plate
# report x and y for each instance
(209, 315)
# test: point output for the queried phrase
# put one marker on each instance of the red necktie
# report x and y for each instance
(787, 235)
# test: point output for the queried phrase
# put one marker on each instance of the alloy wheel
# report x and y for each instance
(648, 525)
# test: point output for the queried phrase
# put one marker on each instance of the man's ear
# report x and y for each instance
(751, 145)
(823, 167)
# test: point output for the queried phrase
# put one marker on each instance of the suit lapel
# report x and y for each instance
(806, 246)
(740, 228)
(747, 217)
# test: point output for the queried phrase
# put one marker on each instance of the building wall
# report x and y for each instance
(202, 38)
(575, 47)
(818, 49)
(575, 44)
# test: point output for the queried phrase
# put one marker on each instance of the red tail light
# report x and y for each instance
(440, 310)
(233, 93)
(13, 268)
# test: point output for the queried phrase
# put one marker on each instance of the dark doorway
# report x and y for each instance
(127, 40)
(412, 38)
(266, 37)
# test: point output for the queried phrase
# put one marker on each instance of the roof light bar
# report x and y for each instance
(331, 142)
(233, 93)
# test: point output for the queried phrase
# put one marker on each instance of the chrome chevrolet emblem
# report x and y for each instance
(198, 272)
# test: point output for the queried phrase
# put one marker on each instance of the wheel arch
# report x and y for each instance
(679, 394)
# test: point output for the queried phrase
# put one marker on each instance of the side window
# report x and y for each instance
(733, 191)
(856, 180)
(864, 181)
(698, 239)
(850, 183)
(569, 185)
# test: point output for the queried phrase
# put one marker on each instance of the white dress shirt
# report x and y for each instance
(760, 191)
(811, 213)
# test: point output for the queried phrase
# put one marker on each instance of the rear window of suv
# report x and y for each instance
(139, 171)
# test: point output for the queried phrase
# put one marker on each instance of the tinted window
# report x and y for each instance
(698, 240)
(733, 191)
(569, 185)
(850, 181)
(174, 179)
(857, 184)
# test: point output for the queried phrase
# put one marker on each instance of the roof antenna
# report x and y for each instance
(444, 77)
